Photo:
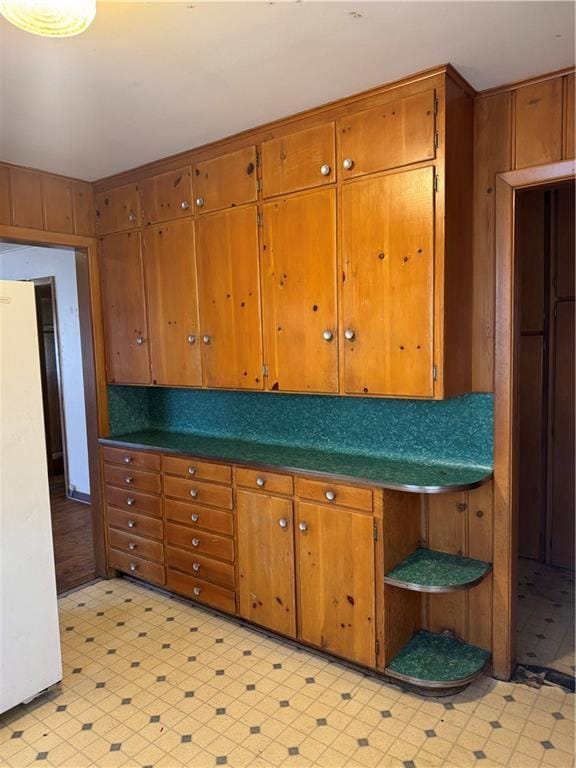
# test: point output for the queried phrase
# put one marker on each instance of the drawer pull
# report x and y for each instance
(197, 590)
(193, 493)
(196, 567)
(133, 567)
(191, 338)
(260, 482)
(128, 459)
(195, 542)
(184, 205)
(283, 522)
(128, 479)
(131, 523)
(330, 495)
(140, 340)
(131, 545)
(130, 500)
(194, 517)
(325, 170)
(303, 526)
(191, 470)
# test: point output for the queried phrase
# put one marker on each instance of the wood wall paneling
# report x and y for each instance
(83, 204)
(568, 148)
(5, 196)
(58, 204)
(538, 115)
(27, 199)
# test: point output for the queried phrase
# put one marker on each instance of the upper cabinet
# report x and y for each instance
(226, 181)
(400, 132)
(118, 209)
(299, 160)
(167, 196)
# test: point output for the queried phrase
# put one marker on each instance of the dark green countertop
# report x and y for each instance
(427, 570)
(394, 473)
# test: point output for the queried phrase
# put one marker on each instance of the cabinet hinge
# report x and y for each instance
(259, 184)
(260, 219)
(437, 139)
(375, 529)
(435, 105)
(258, 159)
(377, 647)
(434, 373)
(435, 182)
(264, 370)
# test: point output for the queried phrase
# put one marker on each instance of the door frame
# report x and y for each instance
(506, 422)
(93, 362)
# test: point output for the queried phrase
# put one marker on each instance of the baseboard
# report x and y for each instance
(83, 498)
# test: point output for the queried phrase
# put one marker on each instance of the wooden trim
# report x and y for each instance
(505, 408)
(39, 237)
(527, 81)
(41, 171)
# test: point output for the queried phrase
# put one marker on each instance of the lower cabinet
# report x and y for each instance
(336, 584)
(267, 590)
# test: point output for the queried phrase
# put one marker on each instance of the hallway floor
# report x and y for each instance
(151, 681)
(72, 535)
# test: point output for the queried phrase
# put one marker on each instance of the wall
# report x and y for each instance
(27, 263)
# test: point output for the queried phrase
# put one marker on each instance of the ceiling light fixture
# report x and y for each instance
(50, 18)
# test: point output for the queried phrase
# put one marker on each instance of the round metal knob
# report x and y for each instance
(303, 526)
(131, 545)
(195, 542)
(194, 517)
(193, 493)
(199, 202)
(325, 170)
(327, 335)
(260, 482)
(140, 340)
(197, 590)
(349, 334)
(348, 164)
(131, 524)
(191, 470)
(133, 567)
(132, 216)
(191, 338)
(130, 501)
(330, 495)
(184, 205)
(128, 459)
(196, 567)
(128, 479)
(283, 523)
(206, 339)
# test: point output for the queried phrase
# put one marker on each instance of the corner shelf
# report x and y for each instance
(431, 660)
(426, 570)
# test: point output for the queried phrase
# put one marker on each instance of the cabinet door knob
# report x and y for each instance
(128, 479)
(132, 216)
(131, 524)
(348, 164)
(303, 526)
(191, 470)
(193, 493)
(199, 202)
(196, 567)
(140, 340)
(325, 170)
(131, 545)
(197, 590)
(191, 338)
(330, 495)
(328, 335)
(133, 567)
(130, 501)
(184, 205)
(206, 339)
(260, 482)
(194, 517)
(195, 542)
(128, 459)
(349, 334)
(283, 522)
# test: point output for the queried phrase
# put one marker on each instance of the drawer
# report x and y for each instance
(199, 470)
(134, 501)
(200, 517)
(200, 493)
(335, 493)
(200, 541)
(133, 478)
(136, 546)
(134, 523)
(136, 566)
(271, 482)
(205, 568)
(130, 458)
(204, 592)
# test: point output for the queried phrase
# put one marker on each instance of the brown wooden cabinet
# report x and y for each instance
(124, 309)
(299, 292)
(172, 302)
(265, 527)
(225, 181)
(388, 284)
(118, 209)
(167, 196)
(229, 289)
(299, 160)
(336, 585)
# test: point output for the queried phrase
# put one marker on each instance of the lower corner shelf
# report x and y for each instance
(431, 660)
(427, 570)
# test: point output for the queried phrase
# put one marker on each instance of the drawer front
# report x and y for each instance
(134, 523)
(335, 493)
(199, 517)
(136, 546)
(129, 458)
(133, 501)
(204, 568)
(200, 493)
(126, 477)
(197, 470)
(136, 566)
(270, 482)
(200, 541)
(204, 592)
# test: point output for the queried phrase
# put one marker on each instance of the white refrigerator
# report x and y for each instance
(30, 658)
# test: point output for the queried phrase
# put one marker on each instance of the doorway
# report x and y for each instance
(545, 254)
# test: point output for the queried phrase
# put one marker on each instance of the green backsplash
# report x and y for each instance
(455, 431)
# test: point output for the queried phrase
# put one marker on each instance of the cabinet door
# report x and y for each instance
(390, 136)
(124, 310)
(299, 161)
(387, 290)
(167, 196)
(229, 290)
(336, 586)
(226, 181)
(172, 300)
(266, 561)
(118, 209)
(299, 287)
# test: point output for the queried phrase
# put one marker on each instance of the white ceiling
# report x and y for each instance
(154, 78)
